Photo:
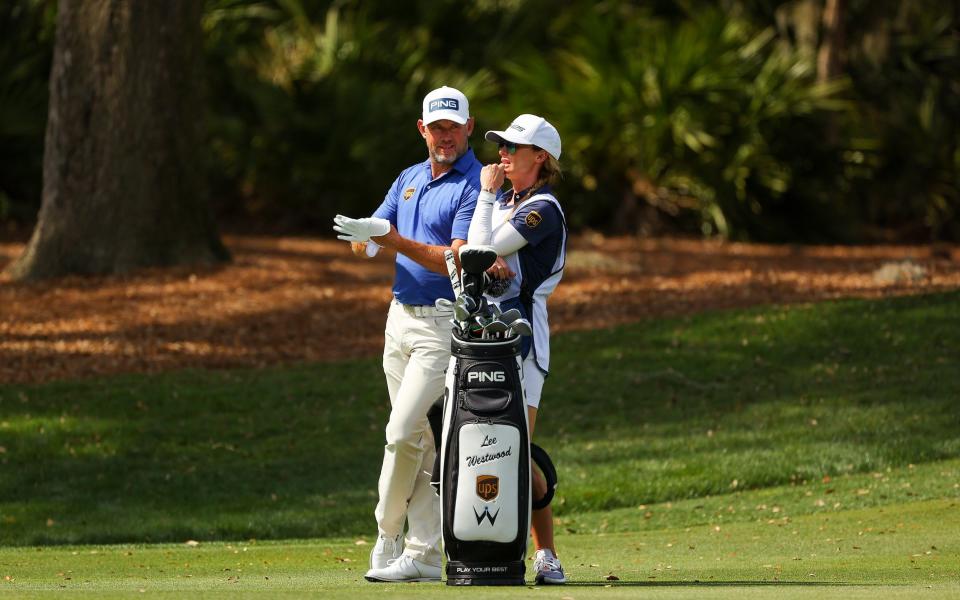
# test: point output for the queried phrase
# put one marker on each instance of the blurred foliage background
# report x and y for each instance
(677, 116)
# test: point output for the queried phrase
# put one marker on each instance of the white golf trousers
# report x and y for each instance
(415, 355)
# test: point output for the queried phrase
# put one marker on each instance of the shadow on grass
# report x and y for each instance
(295, 452)
(622, 583)
(194, 455)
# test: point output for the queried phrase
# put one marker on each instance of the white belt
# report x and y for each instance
(422, 310)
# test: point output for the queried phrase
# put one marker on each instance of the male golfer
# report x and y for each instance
(426, 211)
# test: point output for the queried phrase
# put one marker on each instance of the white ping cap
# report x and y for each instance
(446, 103)
(529, 130)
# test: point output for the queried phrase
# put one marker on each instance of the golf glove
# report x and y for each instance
(360, 230)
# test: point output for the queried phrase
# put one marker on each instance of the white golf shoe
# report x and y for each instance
(385, 551)
(405, 568)
(547, 568)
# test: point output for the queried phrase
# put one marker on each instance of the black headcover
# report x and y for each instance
(475, 260)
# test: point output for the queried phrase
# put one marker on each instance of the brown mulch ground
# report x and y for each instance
(287, 300)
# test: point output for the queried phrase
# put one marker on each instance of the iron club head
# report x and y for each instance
(464, 307)
(511, 315)
(493, 328)
(521, 327)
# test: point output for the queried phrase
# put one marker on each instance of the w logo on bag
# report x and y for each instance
(486, 515)
(488, 487)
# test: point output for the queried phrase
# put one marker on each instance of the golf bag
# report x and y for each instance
(482, 471)
(485, 464)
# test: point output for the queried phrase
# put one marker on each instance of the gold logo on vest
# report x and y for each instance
(533, 219)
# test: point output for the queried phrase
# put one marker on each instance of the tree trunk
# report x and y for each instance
(829, 63)
(123, 181)
(800, 21)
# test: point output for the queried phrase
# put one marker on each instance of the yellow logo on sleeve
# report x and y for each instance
(533, 219)
(407, 193)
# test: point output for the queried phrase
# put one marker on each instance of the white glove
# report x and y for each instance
(360, 230)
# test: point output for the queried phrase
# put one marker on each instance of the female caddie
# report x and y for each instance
(526, 227)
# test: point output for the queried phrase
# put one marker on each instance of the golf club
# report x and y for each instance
(521, 327)
(494, 328)
(511, 315)
(452, 272)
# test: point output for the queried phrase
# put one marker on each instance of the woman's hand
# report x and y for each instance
(491, 178)
(500, 270)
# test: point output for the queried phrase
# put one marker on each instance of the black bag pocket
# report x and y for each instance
(485, 401)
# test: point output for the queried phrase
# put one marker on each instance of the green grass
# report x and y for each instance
(803, 452)
(898, 551)
(285, 453)
(660, 411)
(751, 399)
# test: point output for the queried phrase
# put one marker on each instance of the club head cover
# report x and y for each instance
(473, 285)
(477, 259)
(497, 287)
(483, 308)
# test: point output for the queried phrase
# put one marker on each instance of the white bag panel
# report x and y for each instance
(488, 464)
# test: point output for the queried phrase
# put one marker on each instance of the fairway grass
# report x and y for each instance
(906, 550)
(649, 413)
(809, 451)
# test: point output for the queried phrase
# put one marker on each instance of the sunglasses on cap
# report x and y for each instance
(512, 148)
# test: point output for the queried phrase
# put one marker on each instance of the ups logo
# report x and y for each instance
(533, 219)
(488, 487)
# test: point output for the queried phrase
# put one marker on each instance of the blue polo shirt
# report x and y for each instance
(430, 211)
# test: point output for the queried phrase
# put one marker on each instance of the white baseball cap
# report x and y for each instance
(446, 103)
(529, 130)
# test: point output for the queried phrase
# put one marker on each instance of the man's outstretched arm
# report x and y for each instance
(426, 255)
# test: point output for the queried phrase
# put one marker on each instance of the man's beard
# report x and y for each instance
(446, 159)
